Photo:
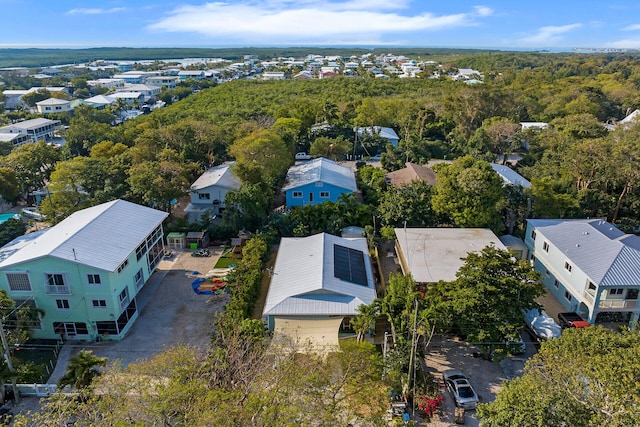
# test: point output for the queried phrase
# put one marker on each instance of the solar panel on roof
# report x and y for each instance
(348, 264)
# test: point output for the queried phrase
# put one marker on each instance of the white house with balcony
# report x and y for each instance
(34, 129)
(209, 191)
(589, 265)
(86, 271)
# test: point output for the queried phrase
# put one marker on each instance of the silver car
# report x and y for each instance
(458, 385)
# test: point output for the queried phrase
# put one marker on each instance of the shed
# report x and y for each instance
(197, 239)
(176, 240)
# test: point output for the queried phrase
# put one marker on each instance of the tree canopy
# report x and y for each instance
(587, 377)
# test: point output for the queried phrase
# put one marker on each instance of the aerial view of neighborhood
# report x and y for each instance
(319, 236)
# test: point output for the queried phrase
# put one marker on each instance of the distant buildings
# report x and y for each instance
(32, 130)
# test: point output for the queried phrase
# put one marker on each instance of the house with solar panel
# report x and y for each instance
(317, 284)
(589, 265)
(317, 181)
(86, 271)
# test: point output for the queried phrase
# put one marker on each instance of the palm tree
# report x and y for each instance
(82, 369)
(366, 319)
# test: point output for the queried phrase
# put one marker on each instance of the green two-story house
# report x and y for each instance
(86, 271)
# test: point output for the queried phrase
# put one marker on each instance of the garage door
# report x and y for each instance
(318, 333)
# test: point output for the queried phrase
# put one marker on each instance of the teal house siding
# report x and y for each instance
(86, 272)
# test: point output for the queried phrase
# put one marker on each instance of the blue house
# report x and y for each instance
(317, 181)
(589, 265)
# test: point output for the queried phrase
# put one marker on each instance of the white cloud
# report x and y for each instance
(307, 21)
(635, 27)
(94, 11)
(548, 36)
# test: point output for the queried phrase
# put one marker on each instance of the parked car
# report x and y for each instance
(303, 156)
(572, 320)
(464, 396)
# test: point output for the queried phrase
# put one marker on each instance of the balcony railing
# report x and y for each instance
(57, 290)
(588, 297)
(618, 303)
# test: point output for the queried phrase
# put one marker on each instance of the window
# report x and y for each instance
(632, 294)
(324, 194)
(138, 279)
(55, 279)
(141, 250)
(568, 296)
(545, 246)
(123, 266)
(591, 286)
(556, 284)
(533, 234)
(532, 257)
(63, 304)
(547, 273)
(99, 303)
(18, 281)
(93, 279)
(204, 196)
(568, 266)
(297, 194)
(616, 291)
(319, 184)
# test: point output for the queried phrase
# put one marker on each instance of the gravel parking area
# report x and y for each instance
(485, 377)
(170, 313)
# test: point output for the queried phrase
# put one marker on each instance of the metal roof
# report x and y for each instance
(320, 170)
(435, 254)
(303, 280)
(102, 236)
(34, 123)
(221, 175)
(605, 254)
(509, 176)
(383, 132)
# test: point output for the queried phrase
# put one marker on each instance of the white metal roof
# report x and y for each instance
(102, 236)
(320, 170)
(101, 99)
(383, 132)
(303, 281)
(435, 254)
(221, 176)
(605, 254)
(509, 176)
(34, 123)
(53, 101)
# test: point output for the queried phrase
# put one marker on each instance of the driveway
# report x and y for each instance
(170, 313)
(485, 377)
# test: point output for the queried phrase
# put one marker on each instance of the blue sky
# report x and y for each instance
(428, 23)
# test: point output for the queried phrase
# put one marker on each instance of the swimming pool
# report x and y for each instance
(7, 217)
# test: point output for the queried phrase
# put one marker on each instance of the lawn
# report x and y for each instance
(225, 260)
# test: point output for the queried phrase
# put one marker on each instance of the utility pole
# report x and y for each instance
(7, 356)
